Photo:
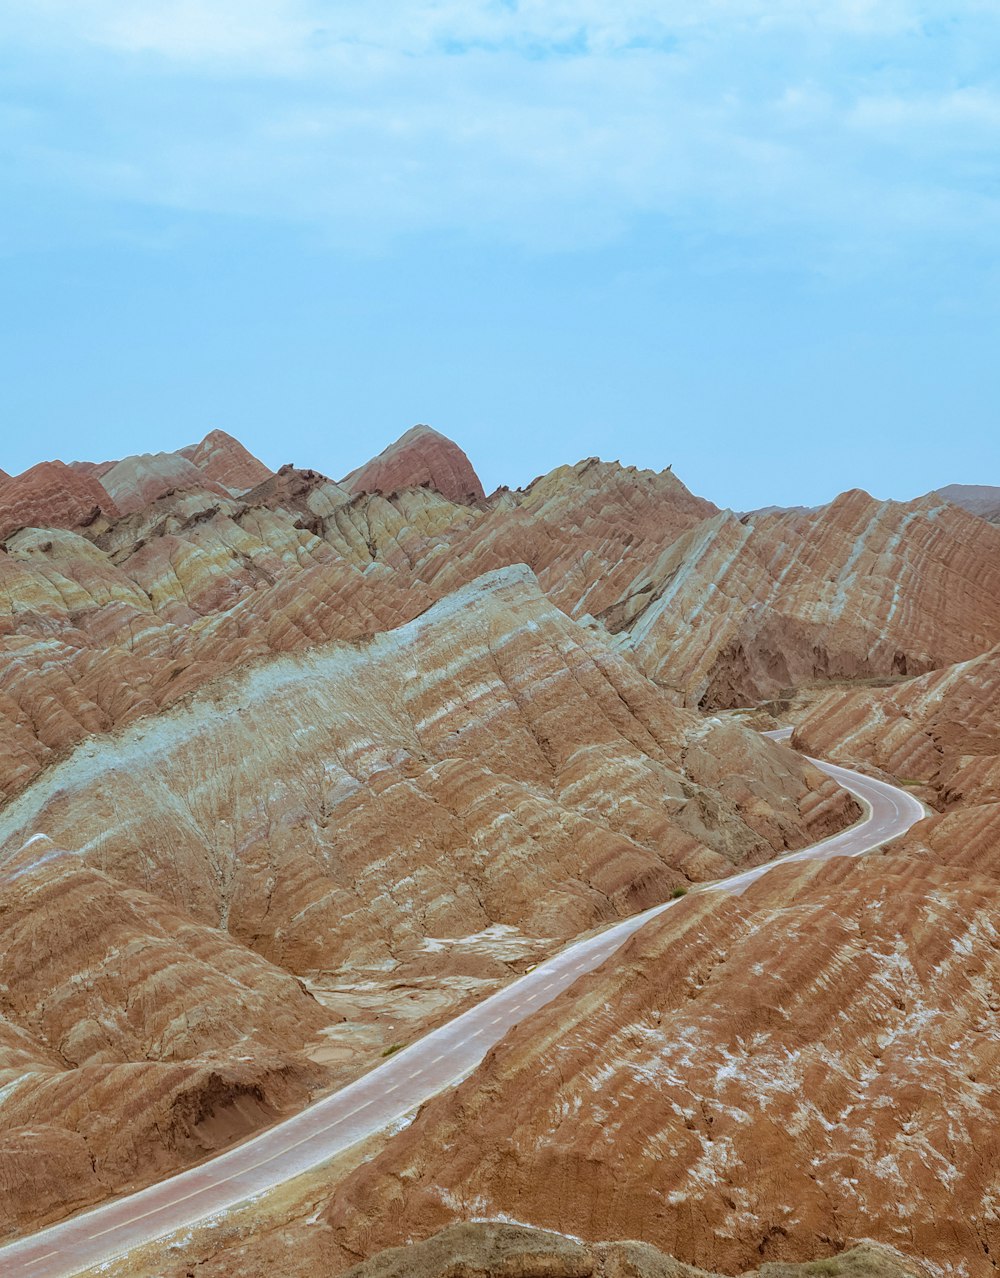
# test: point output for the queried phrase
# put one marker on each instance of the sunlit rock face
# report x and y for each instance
(224, 460)
(51, 494)
(774, 1077)
(421, 458)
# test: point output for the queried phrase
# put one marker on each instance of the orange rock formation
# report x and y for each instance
(771, 1077)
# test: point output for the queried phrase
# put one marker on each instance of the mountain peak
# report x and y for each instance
(420, 458)
(225, 460)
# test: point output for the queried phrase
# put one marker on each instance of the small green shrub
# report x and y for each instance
(678, 892)
(396, 1047)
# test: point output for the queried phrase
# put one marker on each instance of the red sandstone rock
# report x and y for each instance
(135, 482)
(770, 1077)
(420, 458)
(224, 460)
(52, 495)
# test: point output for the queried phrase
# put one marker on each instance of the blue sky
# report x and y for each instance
(758, 241)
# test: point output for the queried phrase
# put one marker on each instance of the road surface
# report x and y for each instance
(395, 1088)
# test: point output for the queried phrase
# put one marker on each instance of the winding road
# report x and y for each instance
(389, 1093)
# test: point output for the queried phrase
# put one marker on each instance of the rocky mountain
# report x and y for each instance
(422, 458)
(294, 769)
(735, 610)
(224, 460)
(762, 1078)
(979, 499)
(132, 612)
(52, 494)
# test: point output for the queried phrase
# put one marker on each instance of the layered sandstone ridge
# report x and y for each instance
(356, 814)
(422, 458)
(224, 460)
(736, 609)
(362, 797)
(129, 614)
(52, 493)
(132, 1040)
(136, 482)
(770, 1077)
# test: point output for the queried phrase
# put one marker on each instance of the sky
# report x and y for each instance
(754, 241)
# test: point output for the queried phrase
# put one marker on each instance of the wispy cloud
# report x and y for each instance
(546, 123)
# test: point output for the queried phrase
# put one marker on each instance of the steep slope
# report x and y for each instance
(719, 611)
(51, 494)
(488, 763)
(135, 482)
(420, 458)
(194, 584)
(941, 730)
(357, 814)
(942, 733)
(769, 1077)
(133, 1039)
(224, 459)
(735, 610)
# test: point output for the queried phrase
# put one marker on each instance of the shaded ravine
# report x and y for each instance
(394, 1089)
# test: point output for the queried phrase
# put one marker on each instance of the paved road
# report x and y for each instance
(394, 1089)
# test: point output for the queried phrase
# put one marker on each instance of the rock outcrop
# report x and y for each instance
(52, 494)
(489, 1249)
(136, 482)
(735, 610)
(224, 460)
(420, 458)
